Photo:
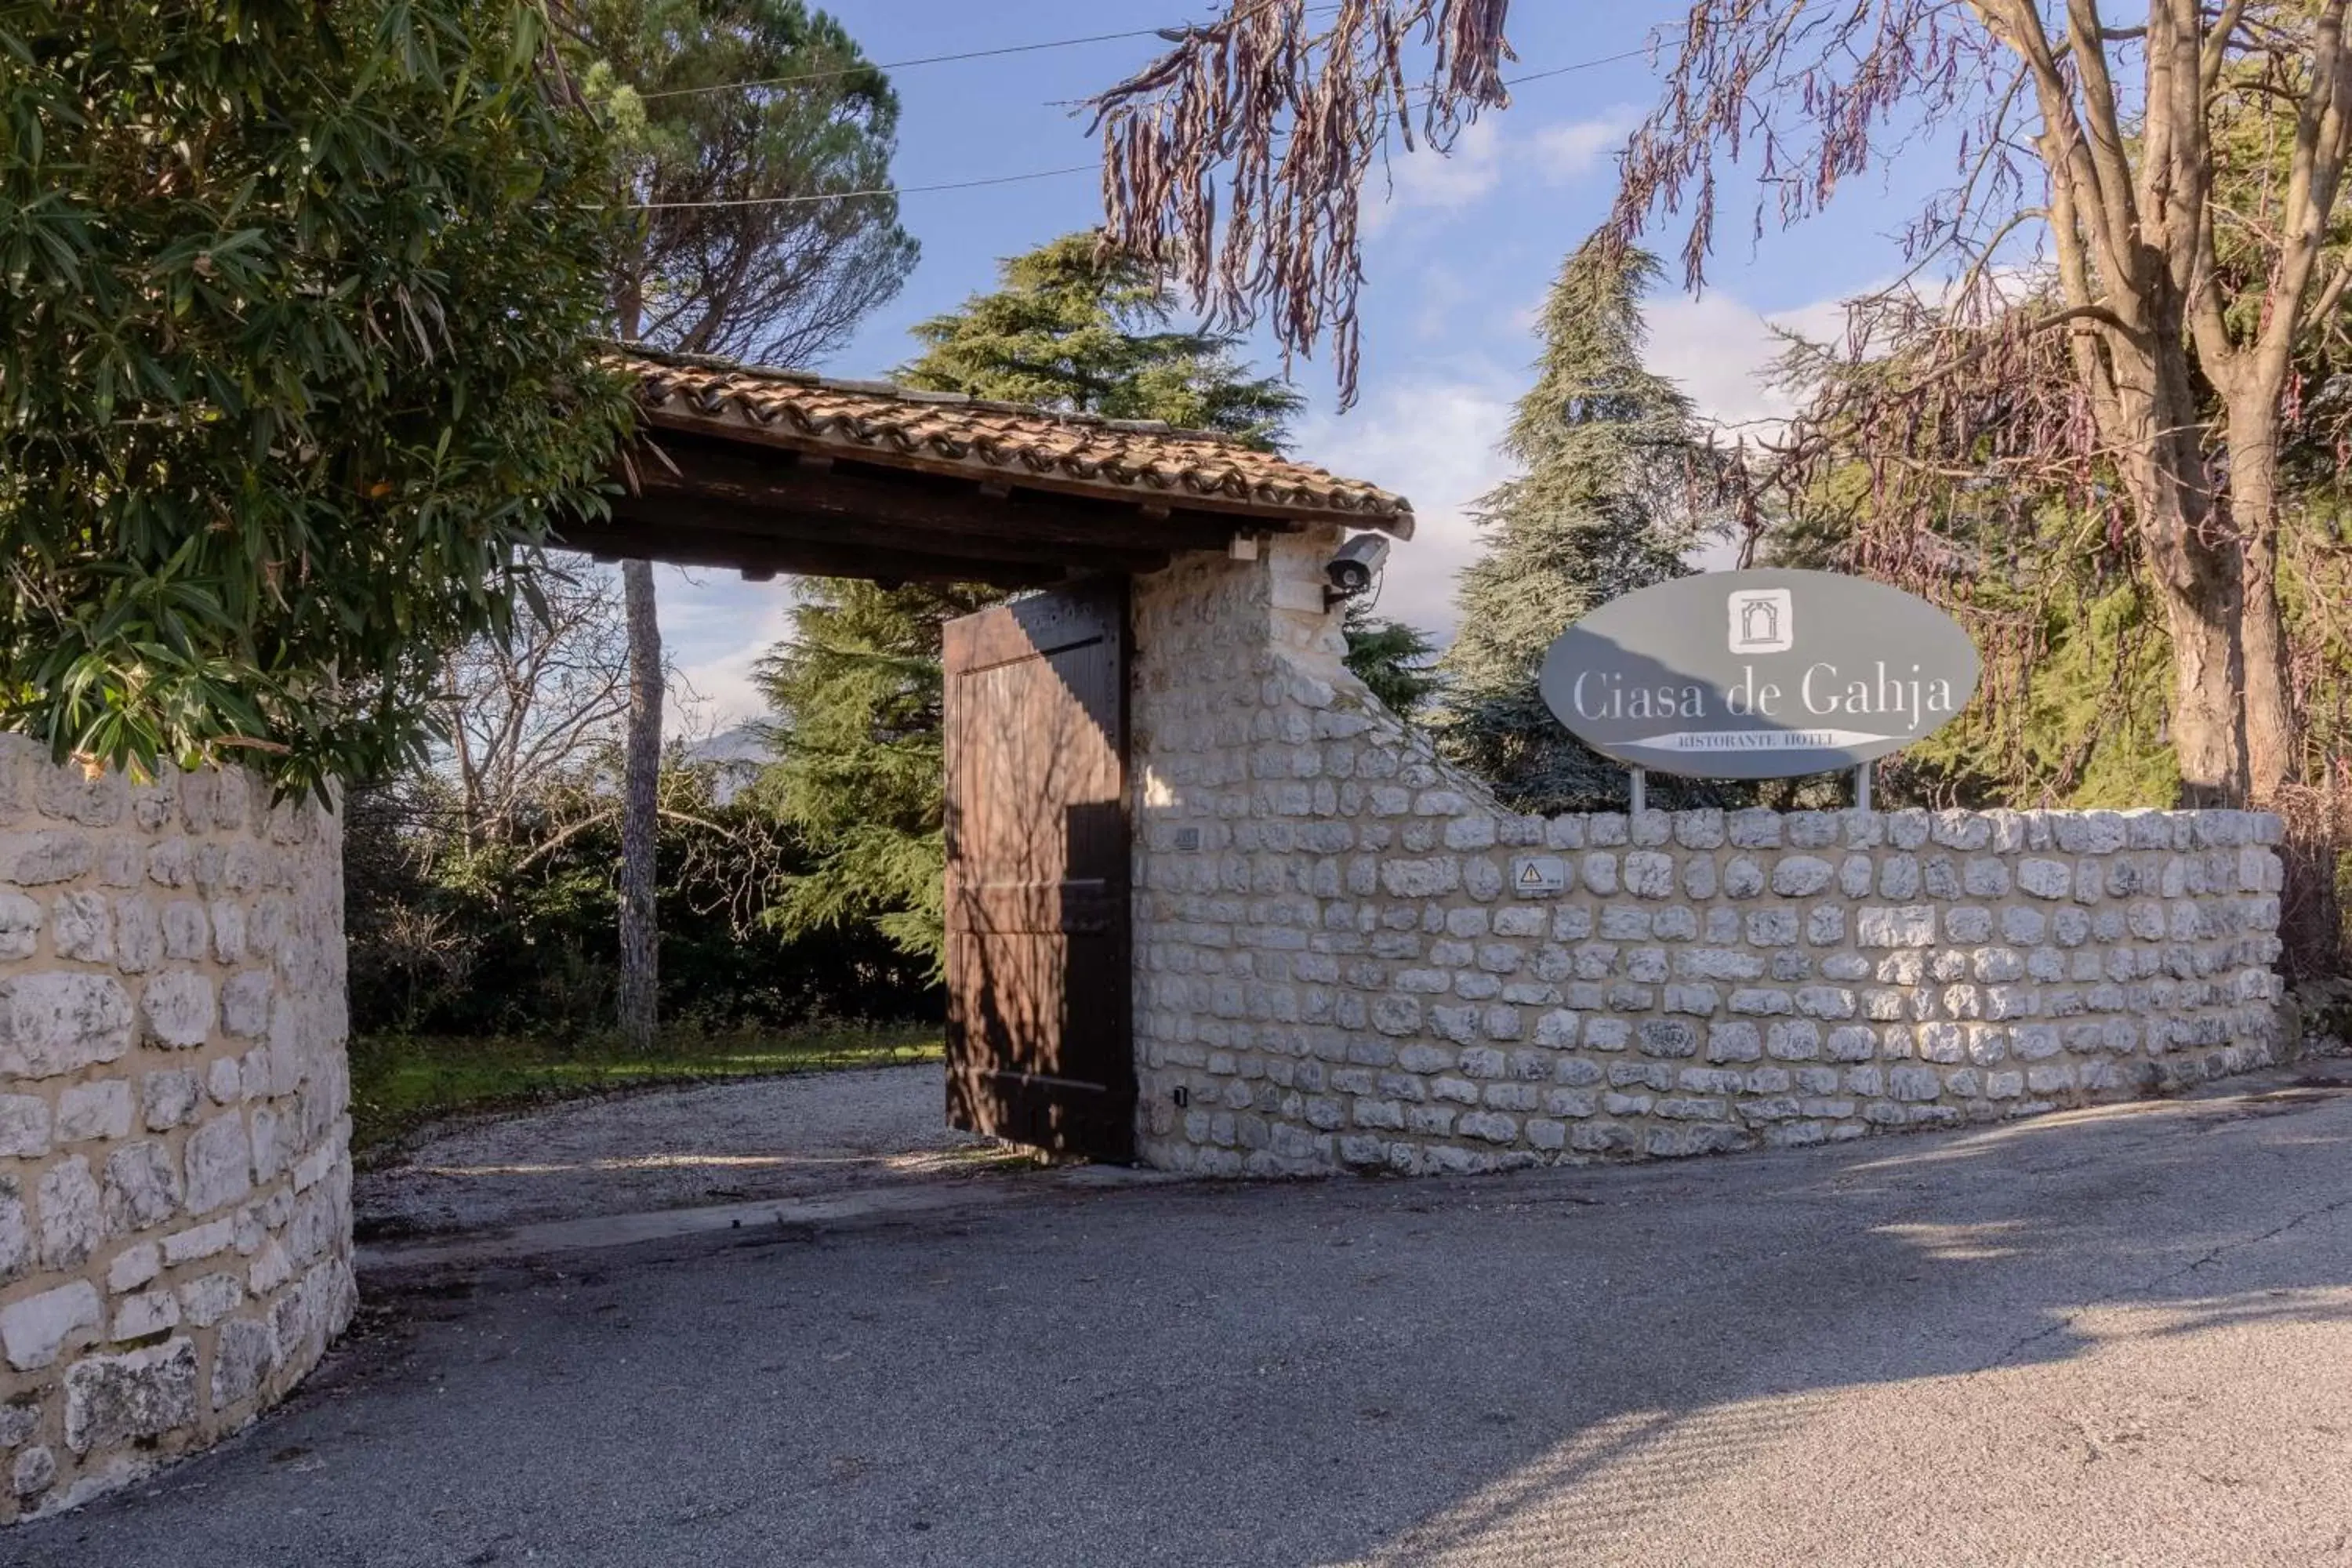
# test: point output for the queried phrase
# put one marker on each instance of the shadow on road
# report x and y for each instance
(2092, 1338)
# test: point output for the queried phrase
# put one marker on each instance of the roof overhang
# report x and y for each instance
(777, 471)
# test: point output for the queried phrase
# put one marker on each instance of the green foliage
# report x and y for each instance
(293, 357)
(2080, 724)
(856, 690)
(1073, 329)
(1606, 453)
(1393, 660)
(784, 281)
(514, 935)
(856, 695)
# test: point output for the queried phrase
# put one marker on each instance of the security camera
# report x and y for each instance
(1351, 569)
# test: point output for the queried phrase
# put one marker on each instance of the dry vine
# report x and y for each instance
(1237, 159)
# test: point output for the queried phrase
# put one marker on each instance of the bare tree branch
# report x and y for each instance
(1237, 161)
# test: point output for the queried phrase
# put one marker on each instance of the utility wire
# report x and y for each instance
(1170, 33)
(1041, 174)
(876, 191)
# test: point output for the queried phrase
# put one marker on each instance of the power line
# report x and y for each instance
(943, 60)
(876, 191)
(1040, 174)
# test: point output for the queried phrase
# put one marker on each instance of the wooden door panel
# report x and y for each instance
(1039, 1043)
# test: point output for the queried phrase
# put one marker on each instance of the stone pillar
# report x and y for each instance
(174, 1169)
(1334, 968)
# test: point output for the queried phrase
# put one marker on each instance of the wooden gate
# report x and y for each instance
(1039, 1046)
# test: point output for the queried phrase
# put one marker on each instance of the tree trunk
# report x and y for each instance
(640, 813)
(2195, 568)
(2271, 750)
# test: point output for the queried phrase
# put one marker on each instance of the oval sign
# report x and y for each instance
(1759, 675)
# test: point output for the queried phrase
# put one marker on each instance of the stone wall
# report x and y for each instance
(175, 1174)
(1333, 973)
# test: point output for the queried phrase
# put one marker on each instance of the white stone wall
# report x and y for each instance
(174, 1173)
(1331, 971)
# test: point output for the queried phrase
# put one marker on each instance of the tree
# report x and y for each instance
(1394, 660)
(2120, 121)
(1082, 329)
(1608, 454)
(295, 359)
(639, 999)
(855, 691)
(758, 142)
(540, 707)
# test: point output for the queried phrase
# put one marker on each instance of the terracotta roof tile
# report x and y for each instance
(881, 423)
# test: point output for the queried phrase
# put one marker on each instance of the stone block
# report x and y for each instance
(35, 1470)
(144, 1315)
(15, 1231)
(49, 856)
(20, 926)
(143, 1188)
(23, 1126)
(1911, 925)
(1667, 1037)
(134, 1266)
(100, 1110)
(2044, 879)
(114, 1400)
(67, 1200)
(35, 1331)
(247, 1354)
(220, 1164)
(244, 1003)
(1801, 876)
(62, 1021)
(1649, 874)
(210, 1298)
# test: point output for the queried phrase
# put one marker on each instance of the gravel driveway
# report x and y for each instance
(802, 1135)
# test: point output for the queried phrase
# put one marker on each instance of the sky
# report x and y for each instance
(1458, 256)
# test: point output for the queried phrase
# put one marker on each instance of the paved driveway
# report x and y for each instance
(798, 1135)
(2116, 1338)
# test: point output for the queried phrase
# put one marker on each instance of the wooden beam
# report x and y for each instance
(620, 538)
(762, 525)
(839, 491)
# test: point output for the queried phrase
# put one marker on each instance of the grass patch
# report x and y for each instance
(400, 1081)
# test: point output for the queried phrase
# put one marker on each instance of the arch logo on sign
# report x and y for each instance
(1756, 675)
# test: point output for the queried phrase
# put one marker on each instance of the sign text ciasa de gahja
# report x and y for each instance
(1752, 675)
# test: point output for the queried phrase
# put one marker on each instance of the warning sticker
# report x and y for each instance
(1538, 876)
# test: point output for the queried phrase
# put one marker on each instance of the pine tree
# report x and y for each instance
(1607, 451)
(1393, 660)
(730, 113)
(1073, 328)
(855, 692)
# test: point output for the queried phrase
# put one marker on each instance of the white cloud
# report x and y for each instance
(1433, 441)
(1426, 180)
(1570, 150)
(715, 628)
(1720, 350)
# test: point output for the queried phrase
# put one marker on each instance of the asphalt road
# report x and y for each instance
(2120, 1338)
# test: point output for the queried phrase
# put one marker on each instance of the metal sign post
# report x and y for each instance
(1641, 791)
(1862, 787)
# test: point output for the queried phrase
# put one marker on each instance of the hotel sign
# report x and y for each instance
(1758, 675)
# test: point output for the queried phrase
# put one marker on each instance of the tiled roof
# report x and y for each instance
(946, 431)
